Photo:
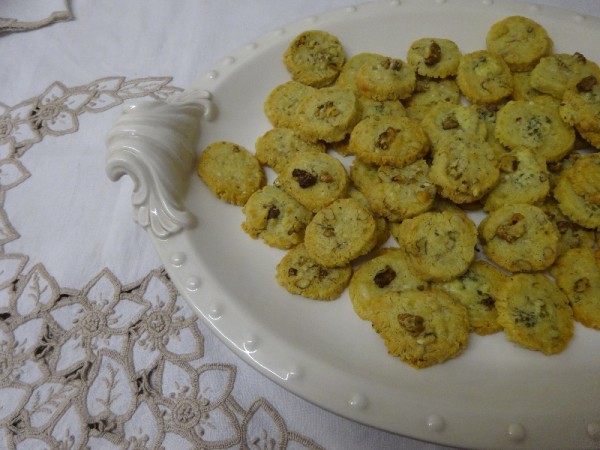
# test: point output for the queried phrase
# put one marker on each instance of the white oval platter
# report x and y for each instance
(495, 395)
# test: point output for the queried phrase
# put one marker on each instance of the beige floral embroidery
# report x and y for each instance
(108, 365)
(10, 25)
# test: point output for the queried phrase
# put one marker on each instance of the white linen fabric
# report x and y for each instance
(97, 349)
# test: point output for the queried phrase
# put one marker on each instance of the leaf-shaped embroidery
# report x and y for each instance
(47, 402)
(106, 84)
(10, 267)
(27, 335)
(183, 311)
(263, 427)
(12, 173)
(158, 291)
(7, 232)
(111, 341)
(23, 133)
(54, 92)
(103, 290)
(186, 343)
(112, 392)
(219, 427)
(37, 292)
(166, 92)
(125, 313)
(69, 313)
(13, 399)
(30, 372)
(143, 354)
(72, 354)
(22, 111)
(70, 428)
(76, 101)
(178, 380)
(142, 86)
(63, 122)
(143, 430)
(102, 101)
(216, 382)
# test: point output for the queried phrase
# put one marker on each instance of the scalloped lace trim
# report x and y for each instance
(108, 365)
(26, 15)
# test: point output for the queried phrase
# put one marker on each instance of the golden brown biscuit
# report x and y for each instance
(340, 233)
(314, 179)
(535, 313)
(519, 238)
(520, 41)
(577, 274)
(299, 274)
(439, 245)
(328, 114)
(421, 327)
(391, 140)
(230, 171)
(484, 77)
(314, 58)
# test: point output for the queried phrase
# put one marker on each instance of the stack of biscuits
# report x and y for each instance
(382, 162)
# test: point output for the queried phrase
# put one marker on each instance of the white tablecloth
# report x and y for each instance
(90, 325)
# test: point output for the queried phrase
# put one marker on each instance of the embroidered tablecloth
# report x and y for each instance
(97, 350)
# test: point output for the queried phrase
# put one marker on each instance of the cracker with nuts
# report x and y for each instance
(373, 146)
(580, 107)
(388, 140)
(520, 41)
(447, 119)
(382, 228)
(401, 193)
(276, 217)
(421, 327)
(576, 207)
(314, 58)
(523, 179)
(477, 289)
(484, 77)
(388, 271)
(278, 146)
(230, 171)
(519, 238)
(281, 103)
(571, 235)
(299, 274)
(314, 179)
(577, 274)
(464, 168)
(430, 92)
(535, 313)
(341, 232)
(328, 115)
(434, 57)
(385, 78)
(536, 126)
(557, 72)
(439, 245)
